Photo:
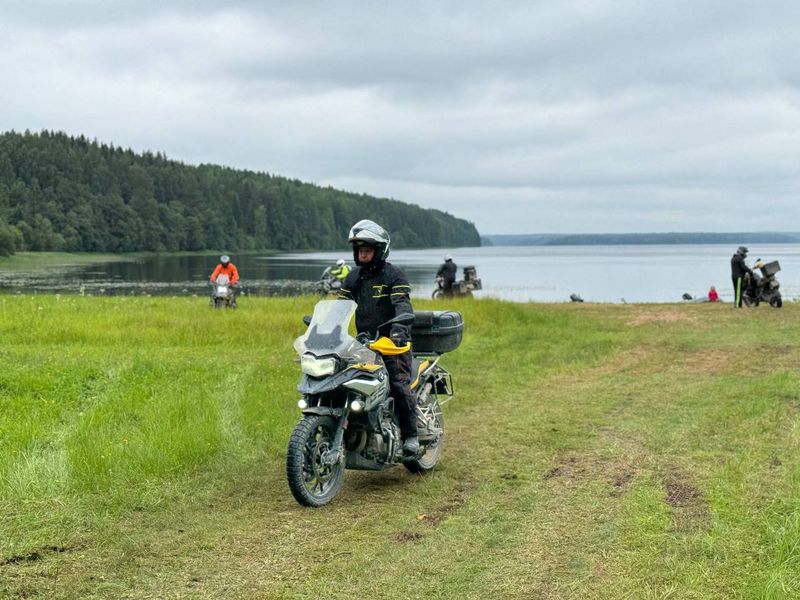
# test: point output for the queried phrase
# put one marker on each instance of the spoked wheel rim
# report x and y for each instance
(318, 477)
(312, 481)
(433, 451)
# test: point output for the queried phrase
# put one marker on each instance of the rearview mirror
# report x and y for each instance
(307, 320)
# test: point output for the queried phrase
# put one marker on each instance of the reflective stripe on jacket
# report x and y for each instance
(381, 294)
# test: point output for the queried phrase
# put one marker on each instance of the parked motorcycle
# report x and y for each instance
(465, 287)
(349, 421)
(222, 293)
(763, 287)
(328, 283)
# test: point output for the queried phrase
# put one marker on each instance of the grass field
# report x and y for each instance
(593, 451)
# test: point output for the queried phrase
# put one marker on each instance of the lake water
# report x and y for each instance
(518, 273)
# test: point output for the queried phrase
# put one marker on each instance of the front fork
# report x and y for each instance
(336, 452)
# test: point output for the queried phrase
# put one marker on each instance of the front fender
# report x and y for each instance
(323, 411)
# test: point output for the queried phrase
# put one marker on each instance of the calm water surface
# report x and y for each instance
(518, 273)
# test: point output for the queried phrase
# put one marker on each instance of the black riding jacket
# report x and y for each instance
(382, 292)
(447, 271)
(738, 268)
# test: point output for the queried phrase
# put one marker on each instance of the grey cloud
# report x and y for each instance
(658, 111)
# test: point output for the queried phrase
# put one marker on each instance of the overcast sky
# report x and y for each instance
(522, 117)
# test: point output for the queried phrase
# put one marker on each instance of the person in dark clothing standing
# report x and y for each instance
(738, 270)
(447, 271)
(382, 292)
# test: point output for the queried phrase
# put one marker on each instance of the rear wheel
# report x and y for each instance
(776, 301)
(433, 450)
(312, 482)
(749, 300)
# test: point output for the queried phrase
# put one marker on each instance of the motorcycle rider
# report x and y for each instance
(382, 292)
(447, 271)
(226, 267)
(738, 271)
(341, 270)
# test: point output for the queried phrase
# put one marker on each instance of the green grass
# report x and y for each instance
(594, 451)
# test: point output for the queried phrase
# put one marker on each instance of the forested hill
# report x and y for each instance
(71, 194)
(605, 239)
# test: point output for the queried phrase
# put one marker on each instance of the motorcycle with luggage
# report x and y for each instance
(328, 283)
(348, 415)
(460, 288)
(763, 286)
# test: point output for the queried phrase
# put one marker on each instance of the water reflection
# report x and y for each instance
(532, 273)
(188, 274)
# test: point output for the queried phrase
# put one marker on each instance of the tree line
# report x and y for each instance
(605, 239)
(72, 194)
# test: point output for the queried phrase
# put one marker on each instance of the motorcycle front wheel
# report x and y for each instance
(437, 294)
(776, 301)
(312, 482)
(219, 302)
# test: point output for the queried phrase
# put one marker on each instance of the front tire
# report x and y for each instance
(776, 301)
(219, 302)
(437, 294)
(311, 482)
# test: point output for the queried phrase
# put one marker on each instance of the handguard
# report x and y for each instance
(386, 347)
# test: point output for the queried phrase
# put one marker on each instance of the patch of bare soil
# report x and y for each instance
(709, 361)
(407, 537)
(38, 554)
(454, 501)
(689, 506)
(792, 401)
(574, 468)
(645, 316)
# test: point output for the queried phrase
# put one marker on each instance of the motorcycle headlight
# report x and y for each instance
(317, 367)
(223, 289)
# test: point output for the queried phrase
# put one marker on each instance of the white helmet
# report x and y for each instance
(369, 233)
(340, 262)
(224, 259)
(447, 257)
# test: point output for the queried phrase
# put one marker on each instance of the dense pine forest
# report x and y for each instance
(64, 193)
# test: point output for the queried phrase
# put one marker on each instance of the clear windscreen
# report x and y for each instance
(328, 331)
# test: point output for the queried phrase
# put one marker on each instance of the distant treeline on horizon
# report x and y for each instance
(72, 194)
(605, 239)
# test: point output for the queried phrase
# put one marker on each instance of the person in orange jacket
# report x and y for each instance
(227, 268)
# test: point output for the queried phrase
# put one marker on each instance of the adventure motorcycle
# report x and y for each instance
(349, 421)
(222, 293)
(764, 287)
(328, 283)
(465, 287)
